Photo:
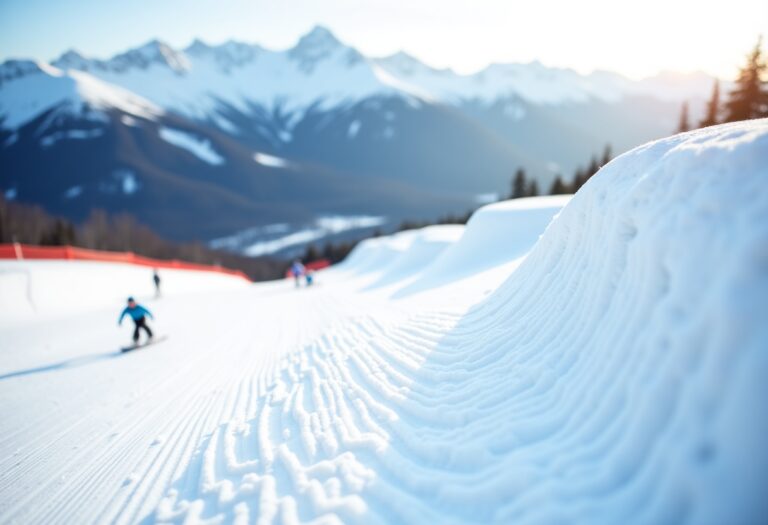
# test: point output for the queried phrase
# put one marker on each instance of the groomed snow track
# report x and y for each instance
(616, 375)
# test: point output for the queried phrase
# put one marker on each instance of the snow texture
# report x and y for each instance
(72, 134)
(610, 371)
(73, 192)
(200, 148)
(354, 129)
(270, 160)
(45, 87)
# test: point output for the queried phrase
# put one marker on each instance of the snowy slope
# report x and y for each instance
(615, 376)
(28, 89)
(503, 232)
(45, 289)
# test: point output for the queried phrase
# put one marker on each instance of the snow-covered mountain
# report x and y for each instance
(321, 70)
(201, 79)
(322, 107)
(30, 88)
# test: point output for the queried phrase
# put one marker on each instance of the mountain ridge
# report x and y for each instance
(261, 133)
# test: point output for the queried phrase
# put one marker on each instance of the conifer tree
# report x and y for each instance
(577, 181)
(558, 187)
(593, 168)
(684, 125)
(749, 98)
(519, 186)
(713, 107)
(607, 155)
(533, 189)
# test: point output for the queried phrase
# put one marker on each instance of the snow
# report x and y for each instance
(72, 134)
(74, 92)
(299, 78)
(270, 160)
(225, 124)
(612, 370)
(271, 239)
(275, 245)
(354, 129)
(486, 198)
(200, 148)
(129, 184)
(73, 192)
(45, 290)
(129, 121)
(340, 223)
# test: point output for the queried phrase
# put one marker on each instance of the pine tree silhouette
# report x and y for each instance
(684, 125)
(749, 98)
(713, 107)
(519, 186)
(558, 187)
(533, 189)
(607, 155)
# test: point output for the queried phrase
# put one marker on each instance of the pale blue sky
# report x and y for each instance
(635, 38)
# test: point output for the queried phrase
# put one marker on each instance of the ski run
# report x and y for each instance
(596, 359)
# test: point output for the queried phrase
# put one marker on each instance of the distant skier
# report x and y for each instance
(297, 270)
(156, 280)
(138, 313)
(309, 276)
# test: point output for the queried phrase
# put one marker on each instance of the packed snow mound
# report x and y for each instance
(373, 256)
(496, 234)
(424, 246)
(627, 352)
(31, 290)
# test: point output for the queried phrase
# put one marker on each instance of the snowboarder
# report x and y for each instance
(297, 270)
(138, 313)
(156, 280)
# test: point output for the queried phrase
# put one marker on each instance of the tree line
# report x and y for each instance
(521, 187)
(119, 233)
(747, 100)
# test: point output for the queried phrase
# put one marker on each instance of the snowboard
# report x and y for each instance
(154, 341)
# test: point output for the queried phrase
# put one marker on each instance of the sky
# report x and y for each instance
(638, 38)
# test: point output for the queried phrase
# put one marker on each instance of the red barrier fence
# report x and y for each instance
(26, 251)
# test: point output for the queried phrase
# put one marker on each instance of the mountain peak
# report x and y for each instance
(13, 69)
(231, 54)
(318, 45)
(151, 53)
(318, 36)
(72, 59)
(406, 64)
(197, 47)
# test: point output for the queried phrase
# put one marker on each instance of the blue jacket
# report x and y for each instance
(136, 313)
